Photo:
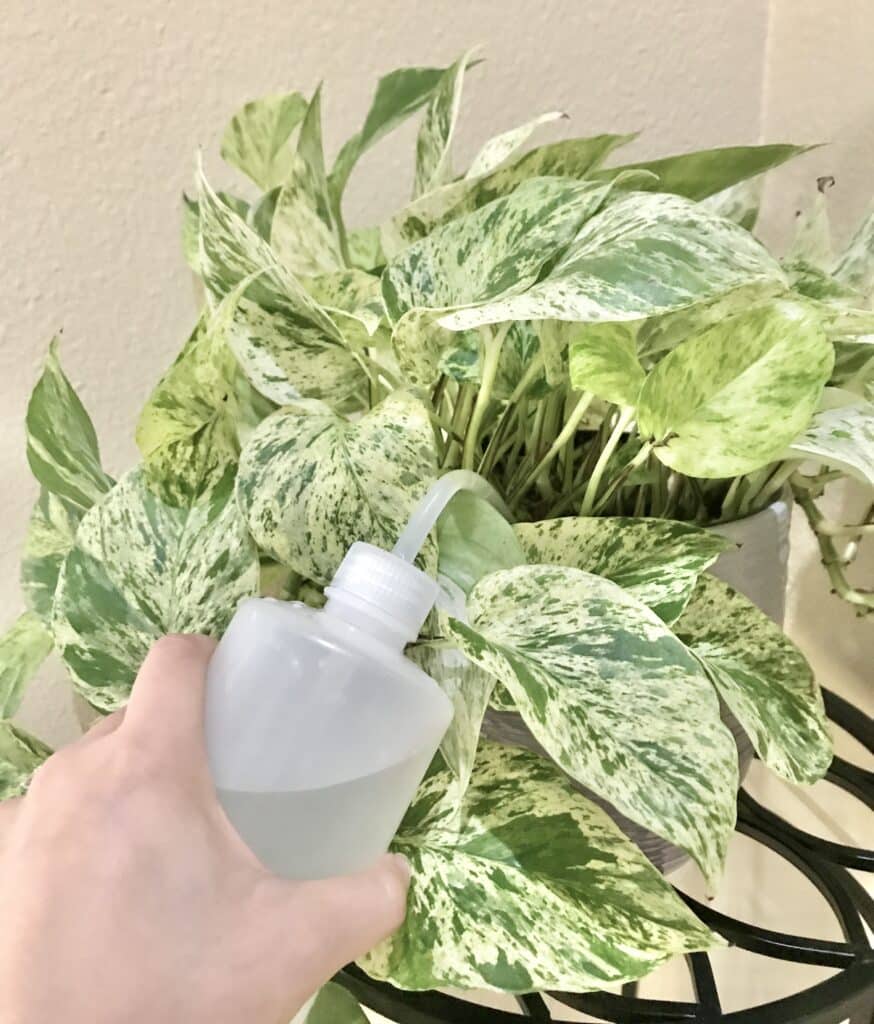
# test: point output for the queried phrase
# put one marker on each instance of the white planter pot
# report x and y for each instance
(757, 569)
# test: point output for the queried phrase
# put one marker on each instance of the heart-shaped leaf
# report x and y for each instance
(62, 446)
(334, 1005)
(256, 140)
(603, 360)
(728, 400)
(434, 141)
(642, 255)
(50, 533)
(762, 676)
(613, 696)
(304, 231)
(855, 266)
(842, 438)
(499, 149)
(533, 887)
(474, 539)
(23, 648)
(141, 568)
(657, 560)
(311, 483)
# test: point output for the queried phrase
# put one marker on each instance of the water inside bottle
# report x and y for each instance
(327, 830)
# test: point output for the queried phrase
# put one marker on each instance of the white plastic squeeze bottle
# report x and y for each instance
(318, 729)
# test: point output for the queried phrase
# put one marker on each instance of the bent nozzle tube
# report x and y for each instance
(434, 501)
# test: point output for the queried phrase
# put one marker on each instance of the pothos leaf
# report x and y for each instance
(61, 443)
(434, 141)
(704, 172)
(497, 250)
(762, 676)
(499, 149)
(334, 1005)
(613, 696)
(398, 95)
(256, 140)
(141, 568)
(469, 688)
(50, 535)
(728, 400)
(658, 561)
(304, 232)
(739, 202)
(23, 648)
(534, 889)
(842, 438)
(187, 431)
(603, 360)
(310, 483)
(571, 158)
(354, 300)
(474, 539)
(855, 266)
(20, 755)
(643, 255)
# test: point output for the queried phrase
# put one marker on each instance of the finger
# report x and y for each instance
(166, 703)
(8, 813)
(103, 727)
(323, 925)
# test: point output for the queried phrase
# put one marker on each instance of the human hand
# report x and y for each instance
(126, 895)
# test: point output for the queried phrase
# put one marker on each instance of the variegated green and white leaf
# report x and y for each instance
(613, 696)
(469, 688)
(434, 141)
(353, 298)
(50, 533)
(728, 400)
(398, 95)
(568, 158)
(658, 561)
(23, 648)
(474, 539)
(739, 202)
(603, 360)
(260, 214)
(499, 149)
(842, 438)
(231, 251)
(191, 233)
(141, 568)
(334, 1005)
(256, 140)
(854, 363)
(643, 255)
(187, 432)
(855, 266)
(453, 266)
(20, 756)
(536, 889)
(287, 359)
(365, 249)
(705, 172)
(304, 232)
(571, 158)
(762, 676)
(62, 446)
(311, 483)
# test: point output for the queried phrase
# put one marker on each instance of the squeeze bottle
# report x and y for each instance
(318, 728)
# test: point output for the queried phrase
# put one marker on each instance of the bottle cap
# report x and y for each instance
(377, 584)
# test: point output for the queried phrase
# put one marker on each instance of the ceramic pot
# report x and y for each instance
(758, 569)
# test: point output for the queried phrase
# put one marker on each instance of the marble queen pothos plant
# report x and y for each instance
(614, 351)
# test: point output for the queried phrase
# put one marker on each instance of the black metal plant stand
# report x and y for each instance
(847, 995)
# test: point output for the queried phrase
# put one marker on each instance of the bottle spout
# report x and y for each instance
(434, 501)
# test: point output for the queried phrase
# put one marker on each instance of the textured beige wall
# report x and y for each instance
(104, 103)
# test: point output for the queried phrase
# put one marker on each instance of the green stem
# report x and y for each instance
(620, 478)
(626, 415)
(492, 343)
(566, 434)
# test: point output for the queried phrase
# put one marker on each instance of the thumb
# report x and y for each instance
(325, 924)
